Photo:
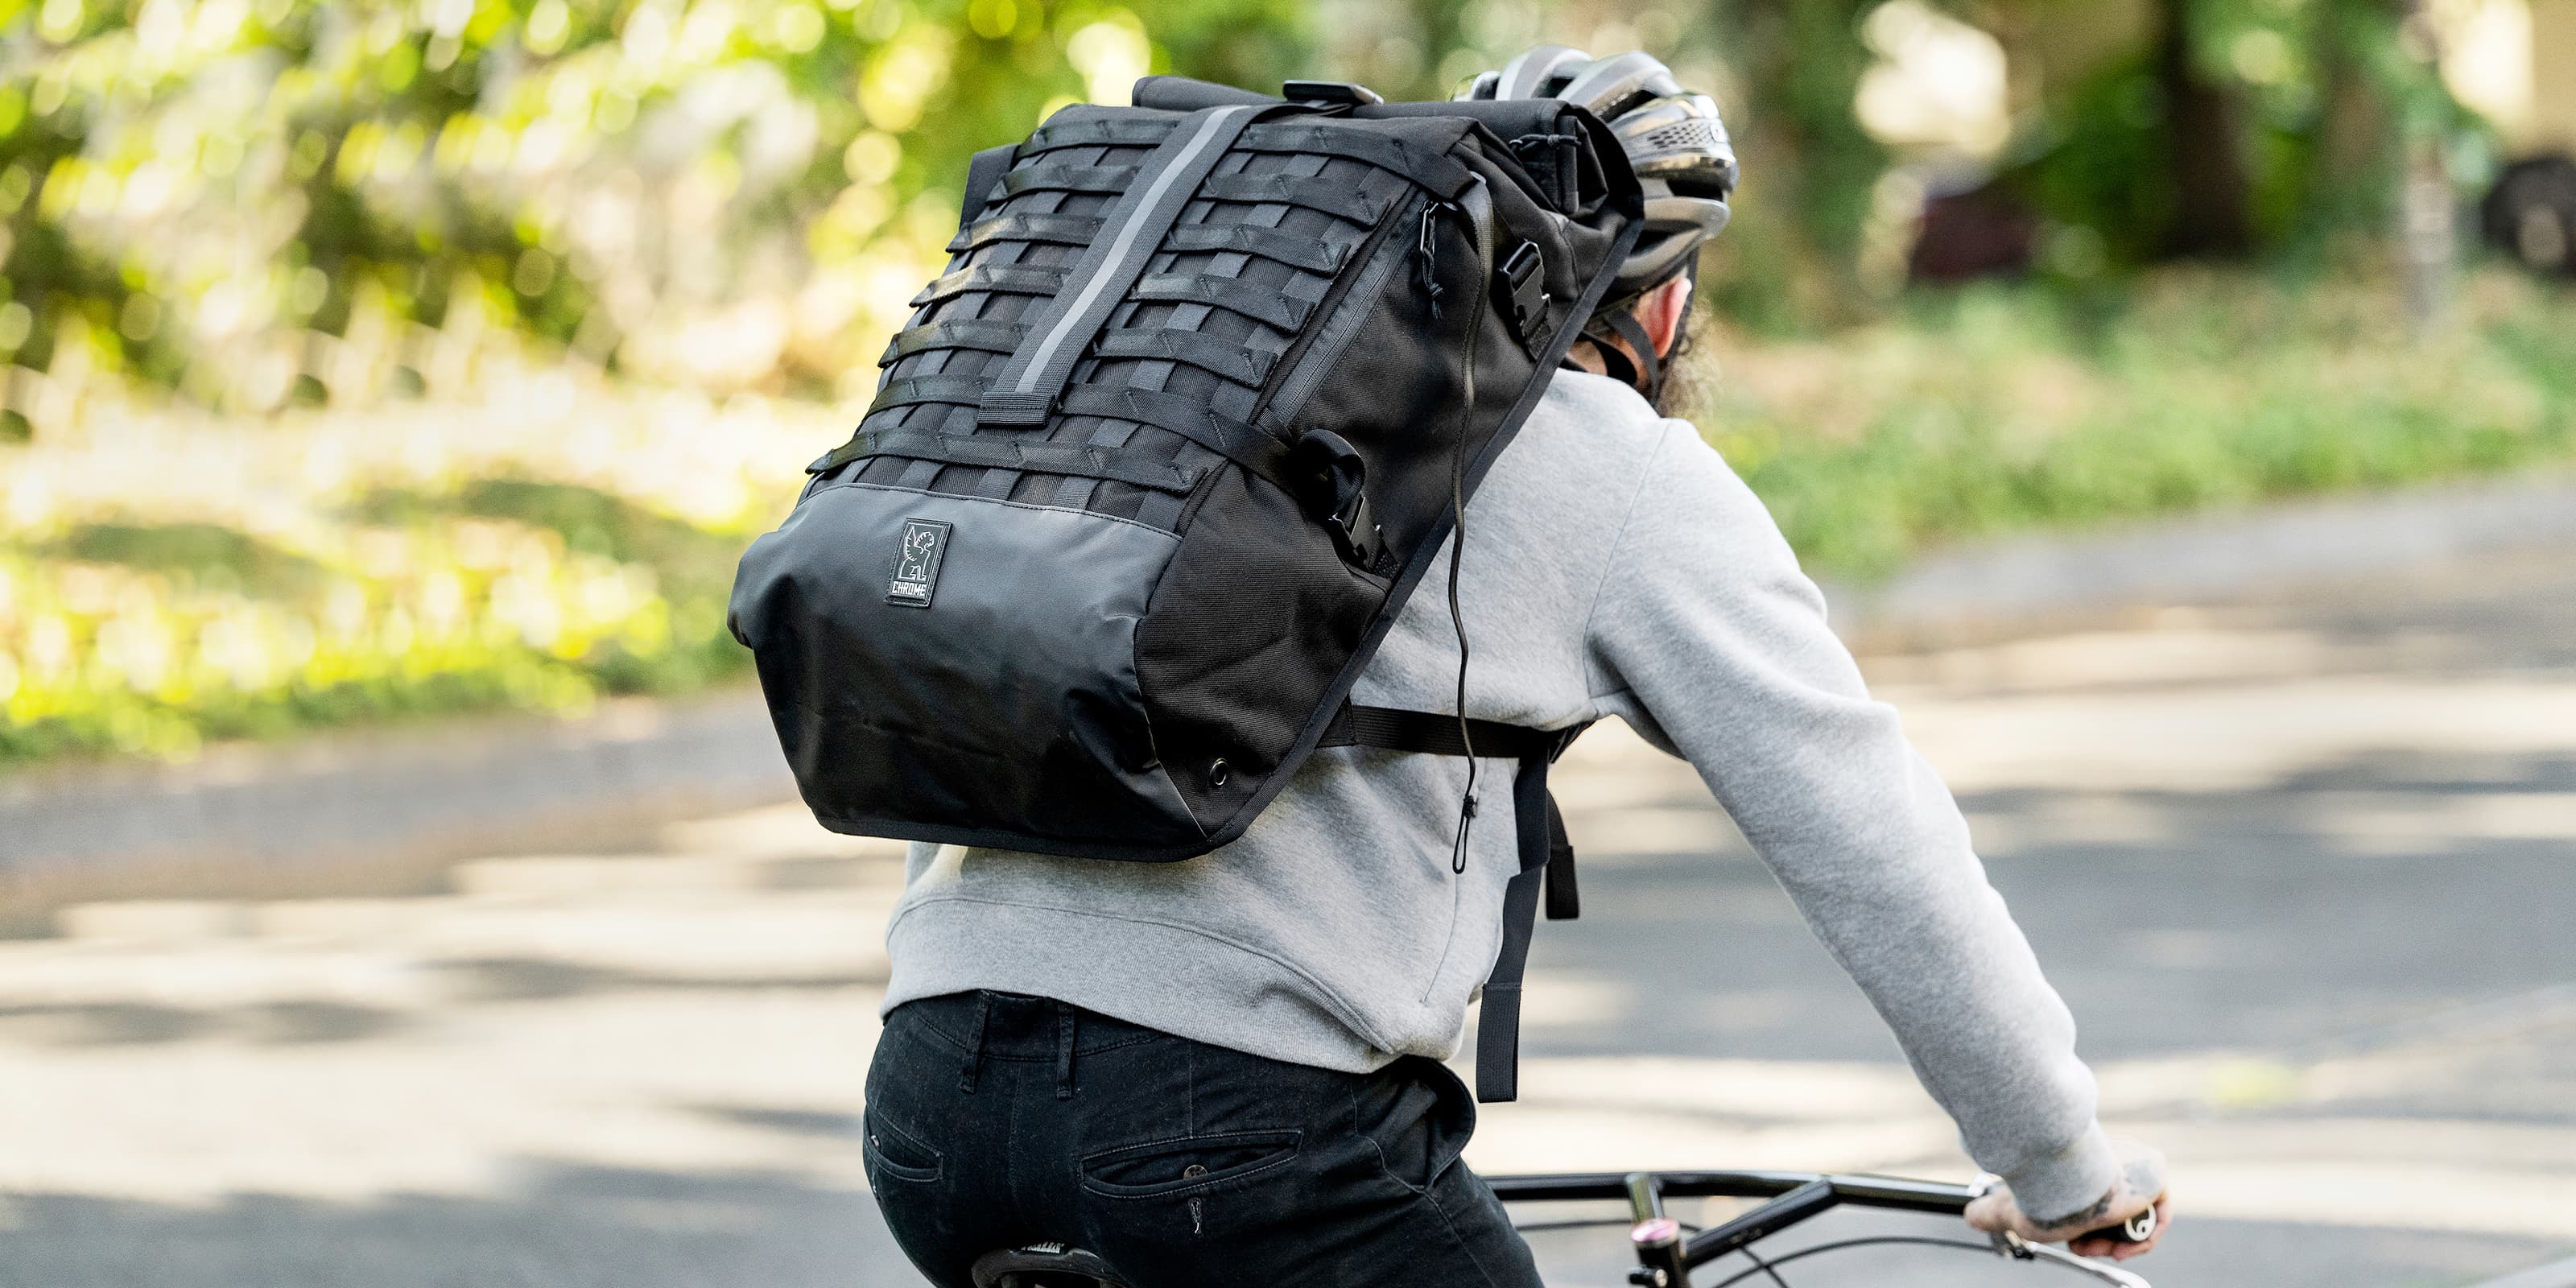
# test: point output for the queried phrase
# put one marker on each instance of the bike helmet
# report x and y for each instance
(1675, 143)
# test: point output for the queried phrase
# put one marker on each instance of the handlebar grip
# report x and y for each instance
(2137, 1229)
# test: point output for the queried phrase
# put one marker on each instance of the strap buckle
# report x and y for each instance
(1523, 282)
(1332, 480)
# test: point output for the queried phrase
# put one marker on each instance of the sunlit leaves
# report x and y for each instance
(615, 178)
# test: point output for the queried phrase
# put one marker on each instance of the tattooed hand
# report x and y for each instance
(2141, 1186)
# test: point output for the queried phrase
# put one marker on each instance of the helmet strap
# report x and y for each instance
(1644, 371)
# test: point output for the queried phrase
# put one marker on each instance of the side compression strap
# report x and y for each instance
(1547, 856)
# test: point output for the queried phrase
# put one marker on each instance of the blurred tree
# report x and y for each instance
(2227, 127)
(1790, 260)
(258, 200)
(2205, 141)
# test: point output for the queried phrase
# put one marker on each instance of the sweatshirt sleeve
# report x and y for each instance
(1706, 627)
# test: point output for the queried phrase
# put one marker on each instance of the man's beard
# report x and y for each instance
(1687, 382)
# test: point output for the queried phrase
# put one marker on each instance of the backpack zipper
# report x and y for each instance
(1356, 267)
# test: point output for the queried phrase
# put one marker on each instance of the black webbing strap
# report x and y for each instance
(1331, 196)
(1051, 177)
(1259, 303)
(983, 170)
(1003, 279)
(1313, 254)
(1232, 439)
(1152, 195)
(1126, 133)
(1431, 733)
(959, 391)
(1077, 460)
(1643, 371)
(1026, 226)
(1205, 352)
(987, 337)
(1440, 175)
(1547, 857)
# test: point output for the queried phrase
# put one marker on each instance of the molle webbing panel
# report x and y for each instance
(1156, 377)
(1024, 391)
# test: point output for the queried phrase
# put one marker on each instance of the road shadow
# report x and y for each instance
(568, 1227)
(560, 1227)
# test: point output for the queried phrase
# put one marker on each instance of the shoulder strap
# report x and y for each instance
(1547, 856)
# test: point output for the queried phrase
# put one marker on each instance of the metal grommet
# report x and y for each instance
(1219, 772)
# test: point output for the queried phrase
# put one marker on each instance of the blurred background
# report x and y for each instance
(396, 884)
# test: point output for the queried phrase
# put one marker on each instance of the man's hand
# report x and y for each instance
(2141, 1186)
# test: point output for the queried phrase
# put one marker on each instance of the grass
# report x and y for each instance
(166, 580)
(1999, 409)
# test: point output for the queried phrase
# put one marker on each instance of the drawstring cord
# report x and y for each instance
(1457, 556)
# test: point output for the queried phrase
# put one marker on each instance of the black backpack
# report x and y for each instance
(1205, 387)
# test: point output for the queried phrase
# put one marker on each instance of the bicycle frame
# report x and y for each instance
(1665, 1259)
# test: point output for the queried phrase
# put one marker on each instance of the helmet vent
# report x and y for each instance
(1685, 136)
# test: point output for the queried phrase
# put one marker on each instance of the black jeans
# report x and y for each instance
(997, 1121)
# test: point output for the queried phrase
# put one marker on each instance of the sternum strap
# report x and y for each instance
(1547, 856)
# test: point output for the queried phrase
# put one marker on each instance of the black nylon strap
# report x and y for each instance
(1498, 1024)
(959, 391)
(1079, 460)
(1330, 196)
(1234, 295)
(1004, 279)
(1310, 253)
(1547, 856)
(1131, 133)
(1442, 176)
(1188, 417)
(1069, 178)
(1027, 226)
(1564, 902)
(1207, 353)
(1435, 734)
(1646, 373)
(987, 337)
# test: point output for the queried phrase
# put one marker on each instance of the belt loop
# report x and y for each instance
(975, 1043)
(1064, 1026)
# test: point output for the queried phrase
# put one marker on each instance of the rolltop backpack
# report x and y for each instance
(1203, 391)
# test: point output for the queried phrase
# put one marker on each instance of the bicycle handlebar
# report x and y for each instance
(1666, 1259)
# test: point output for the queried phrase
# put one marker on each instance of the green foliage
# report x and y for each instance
(2313, 102)
(157, 637)
(264, 203)
(212, 553)
(2004, 408)
(541, 551)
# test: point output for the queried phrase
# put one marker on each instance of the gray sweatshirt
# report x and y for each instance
(1615, 567)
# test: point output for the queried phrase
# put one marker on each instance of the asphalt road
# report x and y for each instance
(2303, 873)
